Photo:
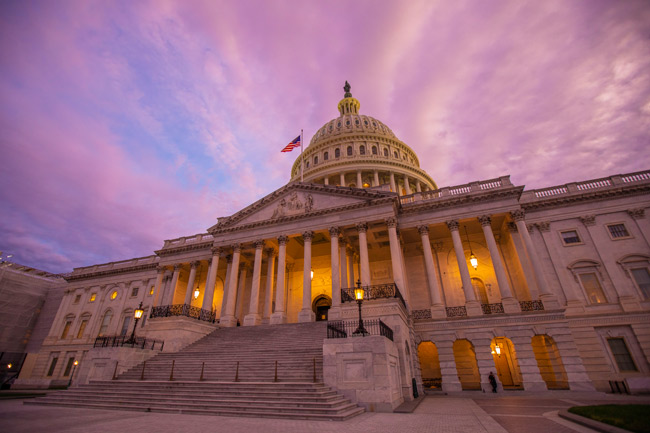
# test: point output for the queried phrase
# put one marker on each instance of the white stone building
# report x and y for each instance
(548, 288)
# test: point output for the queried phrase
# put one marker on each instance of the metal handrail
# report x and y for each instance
(377, 291)
(184, 310)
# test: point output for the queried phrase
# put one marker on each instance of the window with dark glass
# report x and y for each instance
(362, 150)
(125, 325)
(570, 237)
(134, 291)
(315, 160)
(618, 231)
(50, 372)
(68, 366)
(374, 150)
(349, 150)
(326, 156)
(642, 279)
(337, 153)
(396, 154)
(386, 152)
(621, 354)
(82, 328)
(105, 322)
(77, 299)
(66, 328)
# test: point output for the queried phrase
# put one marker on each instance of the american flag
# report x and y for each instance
(289, 147)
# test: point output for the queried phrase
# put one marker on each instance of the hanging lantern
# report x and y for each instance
(472, 258)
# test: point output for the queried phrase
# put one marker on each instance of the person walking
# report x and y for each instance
(493, 382)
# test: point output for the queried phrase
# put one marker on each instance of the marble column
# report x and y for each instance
(226, 284)
(326, 181)
(548, 298)
(350, 274)
(253, 317)
(241, 290)
(510, 304)
(342, 179)
(174, 284)
(376, 178)
(268, 292)
(448, 370)
(472, 306)
(279, 315)
(190, 282)
(306, 314)
(335, 311)
(396, 255)
(393, 186)
(359, 179)
(437, 306)
(406, 185)
(343, 264)
(364, 262)
(208, 296)
(418, 187)
(228, 319)
(530, 375)
(160, 273)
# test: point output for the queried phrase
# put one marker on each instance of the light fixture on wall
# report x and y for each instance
(312, 273)
(472, 258)
(196, 293)
(496, 350)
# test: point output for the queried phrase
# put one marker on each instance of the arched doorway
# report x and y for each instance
(505, 361)
(429, 365)
(321, 306)
(549, 362)
(466, 365)
(479, 289)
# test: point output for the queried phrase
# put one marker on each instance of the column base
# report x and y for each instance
(306, 316)
(473, 308)
(252, 319)
(334, 313)
(228, 321)
(451, 387)
(278, 318)
(438, 311)
(510, 305)
(550, 302)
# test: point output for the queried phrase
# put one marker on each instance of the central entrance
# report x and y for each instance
(321, 306)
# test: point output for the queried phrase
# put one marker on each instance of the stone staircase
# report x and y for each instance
(231, 372)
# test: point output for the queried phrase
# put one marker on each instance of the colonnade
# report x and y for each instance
(403, 184)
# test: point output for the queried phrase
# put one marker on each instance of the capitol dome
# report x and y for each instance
(356, 150)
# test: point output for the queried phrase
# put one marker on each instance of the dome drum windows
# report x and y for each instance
(396, 154)
(362, 150)
(315, 159)
(385, 152)
(349, 151)
(326, 156)
(337, 153)
(374, 150)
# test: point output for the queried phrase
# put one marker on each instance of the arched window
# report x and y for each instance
(396, 154)
(479, 289)
(385, 152)
(374, 150)
(337, 153)
(108, 315)
(307, 164)
(315, 160)
(362, 150)
(326, 156)
(349, 150)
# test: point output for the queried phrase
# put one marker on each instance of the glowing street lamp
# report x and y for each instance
(358, 295)
(472, 258)
(74, 366)
(137, 314)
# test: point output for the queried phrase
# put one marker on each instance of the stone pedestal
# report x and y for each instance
(102, 363)
(511, 305)
(228, 321)
(473, 308)
(177, 332)
(438, 312)
(306, 316)
(252, 319)
(278, 318)
(550, 302)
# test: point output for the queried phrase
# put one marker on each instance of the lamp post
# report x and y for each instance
(358, 295)
(74, 366)
(137, 314)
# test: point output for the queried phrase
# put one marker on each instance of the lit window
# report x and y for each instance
(151, 291)
(93, 297)
(134, 291)
(642, 279)
(66, 328)
(592, 288)
(618, 231)
(570, 237)
(622, 356)
(114, 294)
(77, 299)
(82, 328)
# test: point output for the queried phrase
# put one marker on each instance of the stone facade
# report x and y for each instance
(548, 288)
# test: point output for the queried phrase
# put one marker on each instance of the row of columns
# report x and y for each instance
(375, 181)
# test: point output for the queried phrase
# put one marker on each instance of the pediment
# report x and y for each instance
(298, 200)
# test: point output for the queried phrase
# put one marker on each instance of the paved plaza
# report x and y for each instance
(443, 414)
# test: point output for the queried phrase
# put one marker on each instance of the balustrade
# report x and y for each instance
(183, 310)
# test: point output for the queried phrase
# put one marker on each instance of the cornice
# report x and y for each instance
(486, 322)
(461, 199)
(595, 195)
(184, 248)
(125, 270)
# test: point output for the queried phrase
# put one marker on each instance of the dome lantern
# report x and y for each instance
(348, 105)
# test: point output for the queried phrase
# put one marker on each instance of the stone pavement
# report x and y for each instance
(441, 414)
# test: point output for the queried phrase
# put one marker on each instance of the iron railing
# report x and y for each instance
(377, 291)
(536, 305)
(125, 341)
(456, 311)
(421, 314)
(349, 328)
(184, 310)
(496, 308)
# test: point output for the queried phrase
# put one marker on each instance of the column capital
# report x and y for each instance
(283, 239)
(438, 246)
(588, 220)
(518, 215)
(543, 226)
(236, 248)
(637, 213)
(512, 227)
(216, 251)
(194, 264)
(308, 236)
(259, 244)
(423, 230)
(178, 266)
(485, 220)
(334, 231)
(160, 269)
(229, 258)
(452, 225)
(342, 241)
(270, 251)
(362, 227)
(391, 222)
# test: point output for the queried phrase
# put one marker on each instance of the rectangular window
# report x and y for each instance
(622, 356)
(618, 231)
(125, 325)
(50, 372)
(144, 319)
(77, 299)
(570, 237)
(82, 328)
(93, 297)
(151, 291)
(68, 367)
(134, 292)
(66, 328)
(592, 288)
(642, 278)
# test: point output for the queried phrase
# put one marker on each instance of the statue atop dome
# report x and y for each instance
(347, 90)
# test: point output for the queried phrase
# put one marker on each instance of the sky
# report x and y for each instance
(125, 123)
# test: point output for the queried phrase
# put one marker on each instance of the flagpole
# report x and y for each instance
(302, 160)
